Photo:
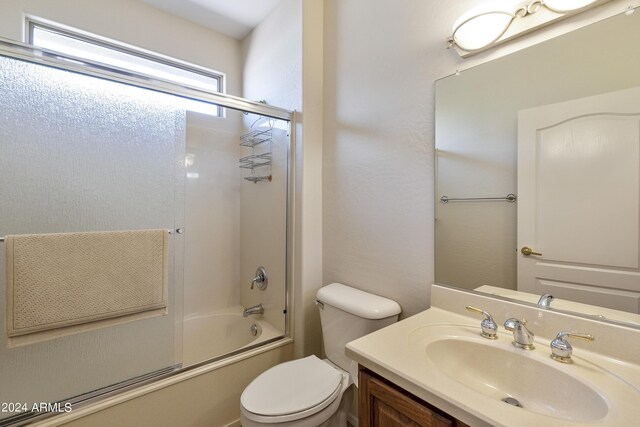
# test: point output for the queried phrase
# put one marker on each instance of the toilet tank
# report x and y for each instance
(347, 313)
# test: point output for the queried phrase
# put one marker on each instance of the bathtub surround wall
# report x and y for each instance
(263, 234)
(271, 59)
(212, 214)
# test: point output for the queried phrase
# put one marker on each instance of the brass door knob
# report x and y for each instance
(528, 251)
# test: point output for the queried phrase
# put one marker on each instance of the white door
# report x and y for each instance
(579, 200)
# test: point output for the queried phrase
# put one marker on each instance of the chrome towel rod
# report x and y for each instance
(178, 230)
(511, 198)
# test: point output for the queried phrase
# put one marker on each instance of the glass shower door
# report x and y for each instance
(82, 154)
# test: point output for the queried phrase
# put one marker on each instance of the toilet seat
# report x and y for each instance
(293, 390)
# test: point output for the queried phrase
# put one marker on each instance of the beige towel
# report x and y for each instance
(63, 280)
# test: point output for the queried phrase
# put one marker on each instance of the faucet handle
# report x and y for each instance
(489, 327)
(561, 349)
(260, 279)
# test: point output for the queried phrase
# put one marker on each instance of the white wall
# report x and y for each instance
(263, 229)
(135, 23)
(272, 64)
(381, 60)
(272, 58)
(283, 61)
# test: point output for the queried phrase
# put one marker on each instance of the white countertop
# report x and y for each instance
(398, 353)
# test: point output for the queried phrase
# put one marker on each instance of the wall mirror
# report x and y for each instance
(556, 125)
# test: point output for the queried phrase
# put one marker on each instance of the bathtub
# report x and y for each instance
(211, 335)
(203, 393)
(207, 395)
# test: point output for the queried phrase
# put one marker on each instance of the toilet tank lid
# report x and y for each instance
(360, 303)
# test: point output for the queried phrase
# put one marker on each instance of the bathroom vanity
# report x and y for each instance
(437, 369)
(383, 403)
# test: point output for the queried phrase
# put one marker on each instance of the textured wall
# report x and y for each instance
(272, 66)
(283, 61)
(271, 56)
(381, 60)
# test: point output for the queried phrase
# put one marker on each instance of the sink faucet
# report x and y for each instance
(256, 309)
(545, 300)
(522, 337)
(489, 327)
(561, 349)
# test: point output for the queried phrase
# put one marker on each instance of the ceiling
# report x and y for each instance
(234, 18)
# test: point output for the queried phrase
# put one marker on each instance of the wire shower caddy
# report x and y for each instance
(259, 161)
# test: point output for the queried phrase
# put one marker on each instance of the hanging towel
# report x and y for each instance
(57, 281)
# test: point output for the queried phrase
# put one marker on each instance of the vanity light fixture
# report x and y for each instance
(494, 22)
(566, 5)
(484, 24)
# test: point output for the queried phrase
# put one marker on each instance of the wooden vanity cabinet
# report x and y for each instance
(384, 404)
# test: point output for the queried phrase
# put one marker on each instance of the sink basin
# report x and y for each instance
(440, 356)
(503, 372)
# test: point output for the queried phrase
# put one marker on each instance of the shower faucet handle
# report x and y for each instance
(260, 279)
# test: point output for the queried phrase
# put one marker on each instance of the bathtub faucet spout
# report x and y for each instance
(256, 309)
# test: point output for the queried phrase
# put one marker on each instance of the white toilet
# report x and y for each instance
(311, 392)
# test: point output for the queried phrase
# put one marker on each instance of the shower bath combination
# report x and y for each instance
(96, 155)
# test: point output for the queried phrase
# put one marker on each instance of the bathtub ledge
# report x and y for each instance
(117, 398)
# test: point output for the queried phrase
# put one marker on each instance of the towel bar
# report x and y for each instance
(511, 198)
(178, 230)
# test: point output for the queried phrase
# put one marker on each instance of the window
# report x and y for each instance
(136, 61)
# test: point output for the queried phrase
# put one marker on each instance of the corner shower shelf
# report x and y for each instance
(255, 161)
(261, 160)
(255, 179)
(255, 137)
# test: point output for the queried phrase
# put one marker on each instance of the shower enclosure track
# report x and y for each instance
(27, 52)
(177, 230)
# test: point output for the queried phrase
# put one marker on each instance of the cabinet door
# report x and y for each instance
(383, 406)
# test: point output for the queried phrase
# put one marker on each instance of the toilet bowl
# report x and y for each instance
(310, 392)
(303, 393)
